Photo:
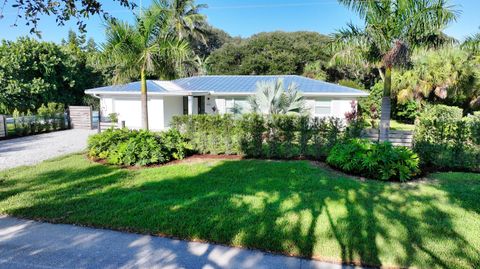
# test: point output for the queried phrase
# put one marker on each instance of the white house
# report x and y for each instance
(214, 94)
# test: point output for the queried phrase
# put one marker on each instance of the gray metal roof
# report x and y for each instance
(230, 84)
(219, 84)
(129, 87)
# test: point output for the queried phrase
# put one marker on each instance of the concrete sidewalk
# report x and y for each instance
(31, 244)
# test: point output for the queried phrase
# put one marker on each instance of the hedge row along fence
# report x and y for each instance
(48, 118)
(449, 143)
(253, 135)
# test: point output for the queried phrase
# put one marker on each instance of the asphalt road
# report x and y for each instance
(29, 244)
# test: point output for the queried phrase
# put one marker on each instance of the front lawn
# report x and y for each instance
(291, 207)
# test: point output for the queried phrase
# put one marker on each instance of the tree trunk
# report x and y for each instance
(386, 106)
(143, 99)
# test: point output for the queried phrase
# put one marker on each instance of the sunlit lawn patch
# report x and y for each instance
(290, 207)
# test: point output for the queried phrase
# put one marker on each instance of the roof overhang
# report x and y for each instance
(94, 92)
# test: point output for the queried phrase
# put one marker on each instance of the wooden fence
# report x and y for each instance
(397, 138)
(81, 117)
(3, 126)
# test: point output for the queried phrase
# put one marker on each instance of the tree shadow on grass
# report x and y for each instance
(285, 207)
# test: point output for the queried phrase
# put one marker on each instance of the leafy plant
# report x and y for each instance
(380, 161)
(113, 117)
(131, 147)
(445, 140)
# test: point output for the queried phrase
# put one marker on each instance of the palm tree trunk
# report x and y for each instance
(143, 100)
(386, 106)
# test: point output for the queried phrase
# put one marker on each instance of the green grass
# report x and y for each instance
(289, 207)
(396, 125)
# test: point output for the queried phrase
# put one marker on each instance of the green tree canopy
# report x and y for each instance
(269, 53)
(34, 73)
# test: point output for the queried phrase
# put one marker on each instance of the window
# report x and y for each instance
(229, 103)
(323, 108)
(237, 106)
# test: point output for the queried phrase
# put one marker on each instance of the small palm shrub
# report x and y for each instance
(131, 147)
(380, 161)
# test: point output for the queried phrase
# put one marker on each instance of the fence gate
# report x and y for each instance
(3, 126)
(81, 117)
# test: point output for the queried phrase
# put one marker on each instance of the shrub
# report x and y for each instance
(141, 148)
(380, 161)
(254, 135)
(441, 112)
(131, 147)
(444, 140)
(214, 134)
(253, 128)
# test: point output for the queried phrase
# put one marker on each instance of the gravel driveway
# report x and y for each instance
(33, 149)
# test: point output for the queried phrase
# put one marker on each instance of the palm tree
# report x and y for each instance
(272, 98)
(392, 28)
(186, 20)
(472, 44)
(146, 48)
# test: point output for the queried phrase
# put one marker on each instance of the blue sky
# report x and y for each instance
(244, 18)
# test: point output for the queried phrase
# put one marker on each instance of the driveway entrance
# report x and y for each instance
(33, 149)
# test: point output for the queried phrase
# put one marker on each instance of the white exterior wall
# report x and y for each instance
(129, 110)
(172, 106)
(106, 106)
(155, 114)
(338, 106)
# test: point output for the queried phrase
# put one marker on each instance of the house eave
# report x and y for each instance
(149, 93)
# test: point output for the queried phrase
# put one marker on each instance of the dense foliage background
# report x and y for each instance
(274, 53)
(33, 73)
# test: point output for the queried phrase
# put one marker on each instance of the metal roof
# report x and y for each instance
(230, 85)
(131, 87)
(247, 84)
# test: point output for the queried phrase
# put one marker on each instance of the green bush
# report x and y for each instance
(210, 134)
(444, 140)
(49, 117)
(254, 135)
(252, 127)
(441, 112)
(380, 161)
(131, 147)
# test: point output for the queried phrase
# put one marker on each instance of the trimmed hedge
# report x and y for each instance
(253, 135)
(132, 147)
(380, 161)
(448, 142)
